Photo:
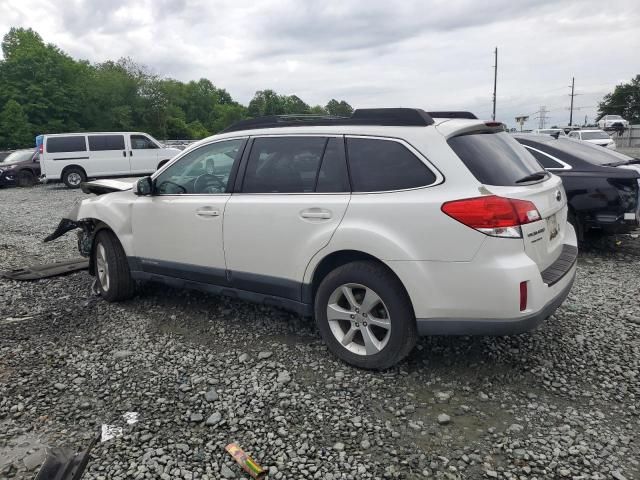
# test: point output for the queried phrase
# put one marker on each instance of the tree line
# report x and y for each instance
(44, 90)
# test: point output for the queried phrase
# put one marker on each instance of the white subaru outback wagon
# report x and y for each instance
(384, 226)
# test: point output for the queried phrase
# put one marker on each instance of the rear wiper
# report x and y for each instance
(534, 176)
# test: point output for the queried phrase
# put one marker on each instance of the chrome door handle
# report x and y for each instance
(318, 213)
(207, 212)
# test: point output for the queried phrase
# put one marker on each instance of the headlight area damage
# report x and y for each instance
(71, 222)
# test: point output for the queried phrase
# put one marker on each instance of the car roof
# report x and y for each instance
(93, 133)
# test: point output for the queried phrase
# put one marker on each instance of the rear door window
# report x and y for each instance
(494, 158)
(379, 165)
(99, 143)
(333, 175)
(75, 143)
(284, 164)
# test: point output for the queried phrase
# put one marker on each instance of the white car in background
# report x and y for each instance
(74, 157)
(597, 137)
(555, 132)
(384, 226)
(609, 121)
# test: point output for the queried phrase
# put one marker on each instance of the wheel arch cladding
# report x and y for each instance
(336, 259)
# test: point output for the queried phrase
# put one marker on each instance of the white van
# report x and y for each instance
(74, 157)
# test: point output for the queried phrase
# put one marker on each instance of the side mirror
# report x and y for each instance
(144, 186)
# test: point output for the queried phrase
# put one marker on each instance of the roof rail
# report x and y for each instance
(412, 117)
(453, 114)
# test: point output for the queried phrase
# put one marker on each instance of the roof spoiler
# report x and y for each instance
(453, 114)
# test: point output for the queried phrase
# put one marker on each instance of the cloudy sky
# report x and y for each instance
(433, 54)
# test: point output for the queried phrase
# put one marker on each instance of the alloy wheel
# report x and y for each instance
(359, 319)
(102, 267)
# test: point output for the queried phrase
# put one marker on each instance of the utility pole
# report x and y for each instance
(495, 83)
(572, 95)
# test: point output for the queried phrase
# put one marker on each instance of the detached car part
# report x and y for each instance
(64, 463)
(37, 272)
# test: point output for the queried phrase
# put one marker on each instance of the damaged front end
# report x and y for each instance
(85, 235)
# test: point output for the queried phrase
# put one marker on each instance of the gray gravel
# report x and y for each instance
(202, 371)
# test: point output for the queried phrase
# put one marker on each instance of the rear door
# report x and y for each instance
(293, 195)
(108, 154)
(143, 154)
(507, 169)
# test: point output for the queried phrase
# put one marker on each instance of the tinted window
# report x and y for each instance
(106, 142)
(75, 143)
(381, 165)
(204, 170)
(141, 142)
(545, 160)
(283, 164)
(333, 176)
(494, 158)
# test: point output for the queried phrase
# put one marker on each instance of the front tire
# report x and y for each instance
(113, 277)
(25, 178)
(365, 316)
(73, 177)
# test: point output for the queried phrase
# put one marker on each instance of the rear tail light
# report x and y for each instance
(493, 215)
(41, 148)
(523, 296)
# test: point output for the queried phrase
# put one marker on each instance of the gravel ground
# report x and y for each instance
(202, 371)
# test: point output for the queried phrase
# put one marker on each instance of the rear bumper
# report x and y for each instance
(494, 326)
(482, 297)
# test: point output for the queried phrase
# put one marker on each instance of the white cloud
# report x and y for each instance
(435, 54)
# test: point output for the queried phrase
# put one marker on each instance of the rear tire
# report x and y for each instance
(25, 178)
(113, 277)
(373, 325)
(577, 225)
(73, 177)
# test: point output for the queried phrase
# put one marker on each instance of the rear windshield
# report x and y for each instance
(595, 136)
(495, 158)
(588, 152)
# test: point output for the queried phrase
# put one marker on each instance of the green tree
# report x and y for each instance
(15, 130)
(623, 101)
(340, 109)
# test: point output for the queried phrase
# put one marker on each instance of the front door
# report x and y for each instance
(177, 231)
(294, 193)
(143, 154)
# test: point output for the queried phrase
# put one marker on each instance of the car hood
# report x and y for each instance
(100, 187)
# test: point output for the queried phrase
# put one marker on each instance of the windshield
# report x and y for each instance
(18, 156)
(588, 152)
(549, 131)
(595, 136)
(614, 117)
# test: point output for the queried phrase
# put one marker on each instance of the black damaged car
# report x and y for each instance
(603, 186)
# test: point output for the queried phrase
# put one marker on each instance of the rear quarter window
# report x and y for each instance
(494, 158)
(378, 165)
(74, 143)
